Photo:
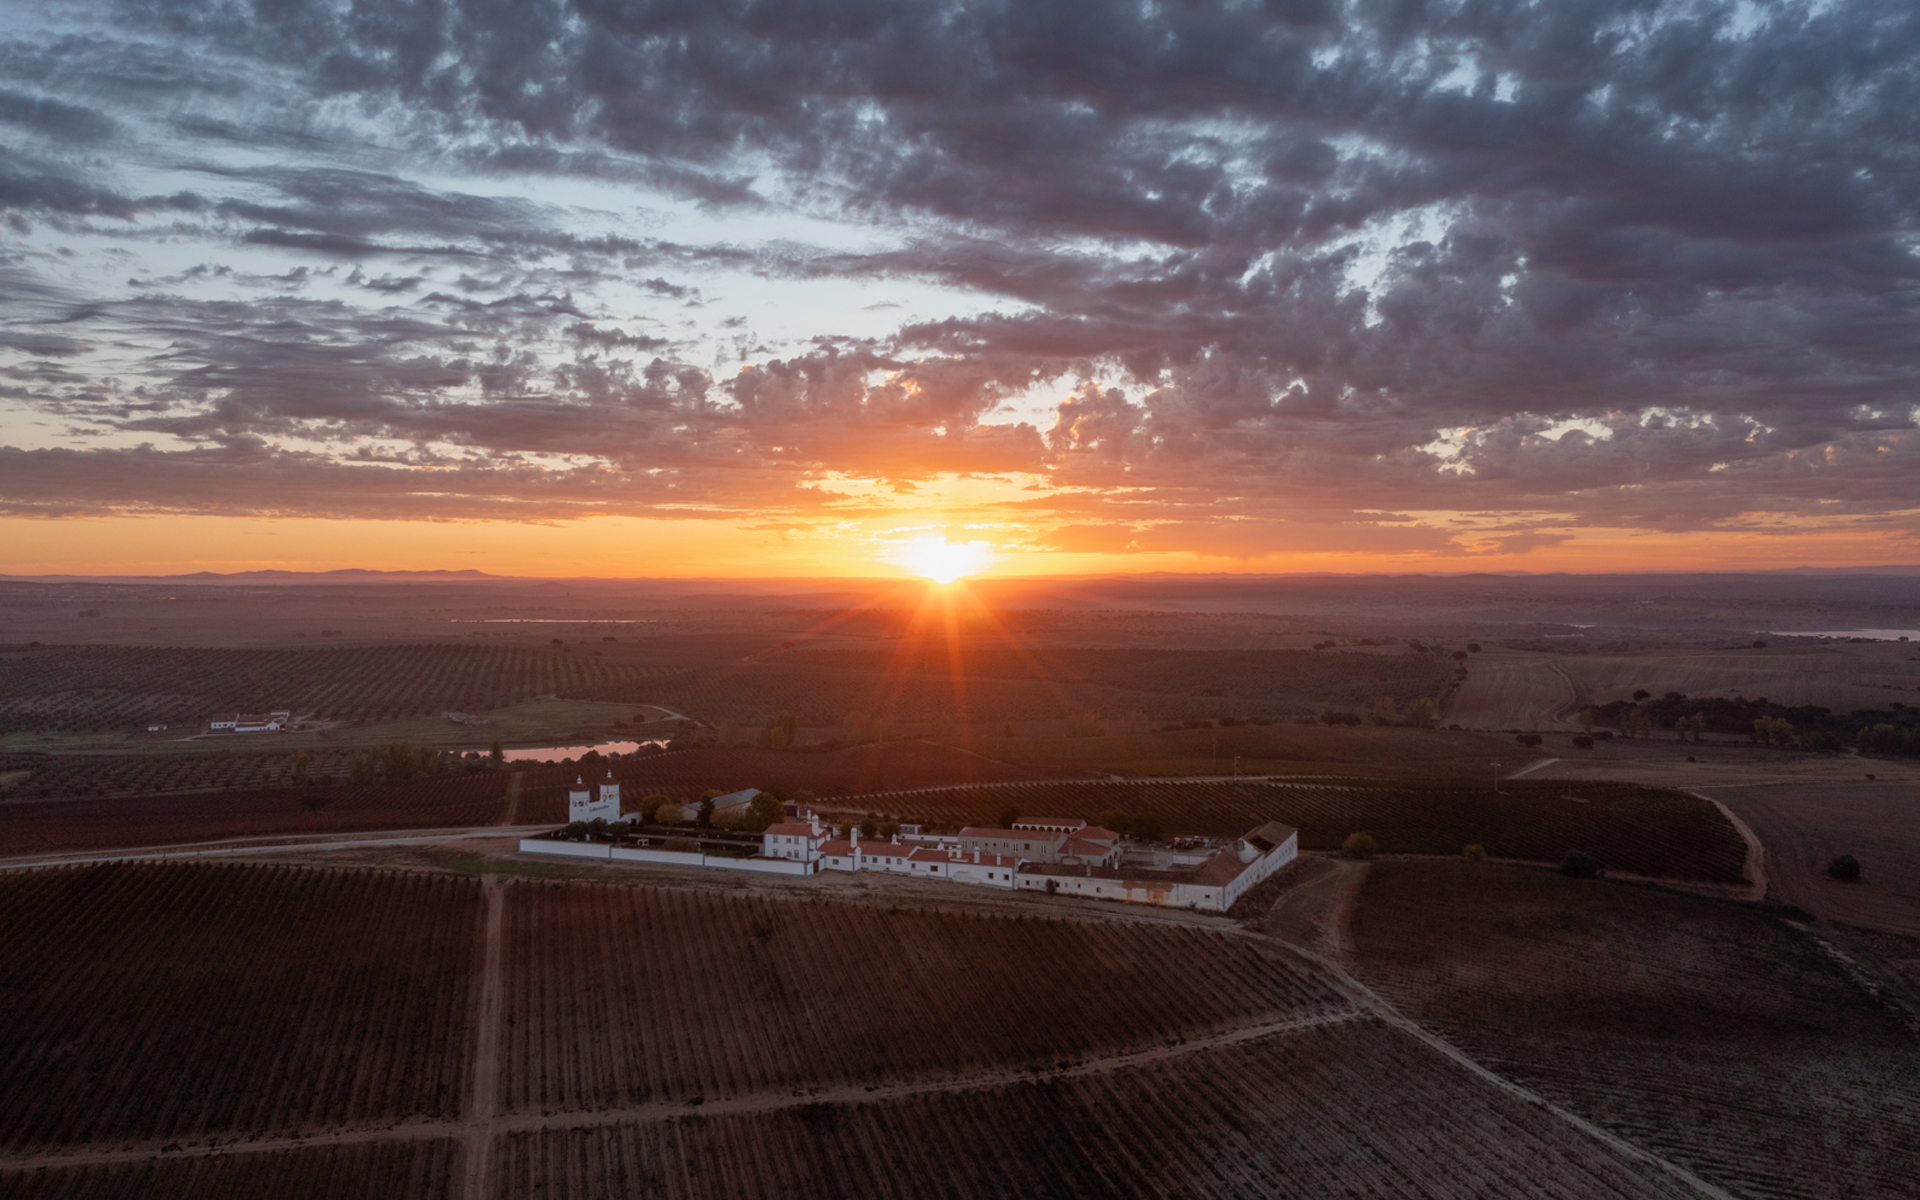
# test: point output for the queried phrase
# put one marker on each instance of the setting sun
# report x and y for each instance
(943, 561)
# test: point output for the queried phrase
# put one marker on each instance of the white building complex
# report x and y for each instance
(267, 722)
(1212, 884)
(1058, 857)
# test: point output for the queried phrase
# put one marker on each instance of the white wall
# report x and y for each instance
(679, 858)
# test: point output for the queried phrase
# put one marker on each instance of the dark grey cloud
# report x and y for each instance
(1623, 262)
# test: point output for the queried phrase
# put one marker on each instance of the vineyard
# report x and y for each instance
(419, 1170)
(1642, 831)
(684, 1042)
(142, 774)
(110, 687)
(1716, 1036)
(169, 1001)
(619, 996)
(45, 827)
(828, 688)
(1356, 1109)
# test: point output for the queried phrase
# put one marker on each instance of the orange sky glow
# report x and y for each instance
(915, 545)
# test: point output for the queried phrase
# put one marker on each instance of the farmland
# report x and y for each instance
(841, 993)
(356, 1171)
(1714, 1035)
(111, 687)
(856, 769)
(687, 1041)
(142, 774)
(1356, 1109)
(48, 826)
(1518, 689)
(1806, 824)
(1642, 831)
(913, 686)
(170, 1002)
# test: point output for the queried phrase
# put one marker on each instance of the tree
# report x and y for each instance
(497, 756)
(1385, 712)
(763, 810)
(1146, 828)
(706, 812)
(1777, 730)
(1846, 868)
(1115, 819)
(1359, 845)
(1008, 817)
(868, 826)
(1580, 865)
(1642, 694)
(1474, 852)
(1421, 713)
(1529, 740)
(300, 759)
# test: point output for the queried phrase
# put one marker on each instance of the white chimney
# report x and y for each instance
(853, 835)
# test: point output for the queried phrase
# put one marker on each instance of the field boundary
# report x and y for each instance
(1756, 868)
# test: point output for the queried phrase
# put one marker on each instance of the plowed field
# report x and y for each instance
(1807, 824)
(45, 827)
(1716, 1036)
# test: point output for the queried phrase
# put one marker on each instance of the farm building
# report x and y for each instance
(904, 858)
(1209, 886)
(736, 801)
(582, 806)
(797, 840)
(1074, 843)
(268, 722)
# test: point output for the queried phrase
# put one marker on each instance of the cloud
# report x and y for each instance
(1565, 265)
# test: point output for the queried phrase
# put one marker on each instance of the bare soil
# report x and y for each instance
(1706, 1032)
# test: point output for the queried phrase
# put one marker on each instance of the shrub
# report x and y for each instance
(1846, 868)
(1146, 828)
(1474, 852)
(670, 814)
(1359, 845)
(681, 845)
(1580, 865)
(1582, 742)
(1528, 740)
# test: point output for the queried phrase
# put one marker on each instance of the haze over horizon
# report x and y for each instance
(615, 289)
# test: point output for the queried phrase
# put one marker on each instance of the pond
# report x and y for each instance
(556, 753)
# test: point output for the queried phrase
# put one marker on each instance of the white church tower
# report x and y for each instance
(581, 806)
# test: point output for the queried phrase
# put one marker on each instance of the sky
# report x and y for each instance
(702, 287)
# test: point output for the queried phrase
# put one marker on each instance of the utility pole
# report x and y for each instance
(1496, 779)
(1236, 766)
